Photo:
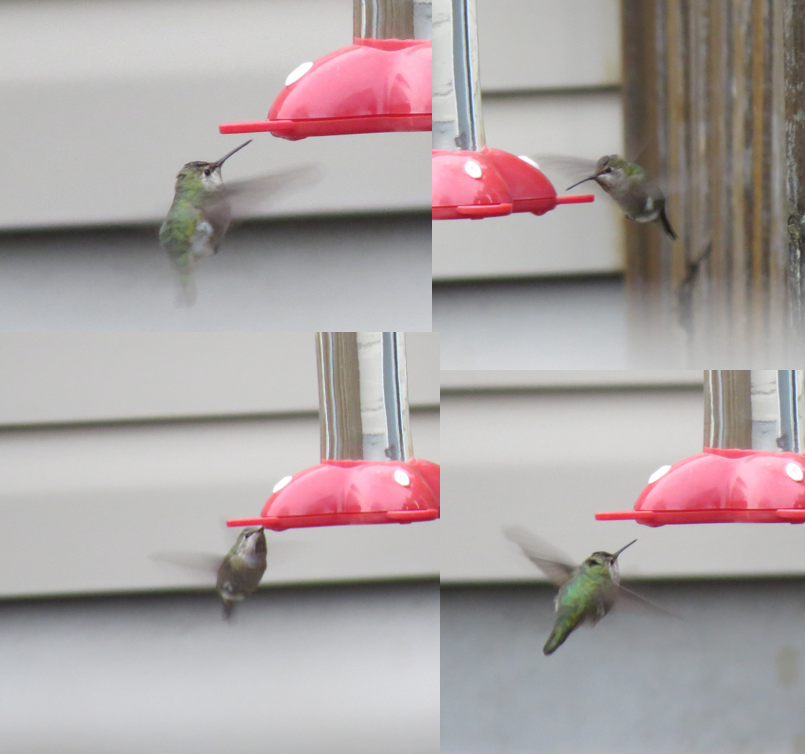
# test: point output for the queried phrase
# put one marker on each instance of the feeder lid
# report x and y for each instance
(722, 486)
(372, 86)
(352, 492)
(491, 183)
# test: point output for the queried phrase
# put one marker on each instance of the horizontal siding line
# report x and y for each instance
(570, 91)
(557, 389)
(558, 278)
(121, 593)
(532, 583)
(152, 226)
(155, 421)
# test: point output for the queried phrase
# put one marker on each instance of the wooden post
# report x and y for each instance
(714, 98)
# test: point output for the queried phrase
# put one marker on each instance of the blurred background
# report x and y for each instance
(117, 447)
(546, 451)
(104, 102)
(526, 292)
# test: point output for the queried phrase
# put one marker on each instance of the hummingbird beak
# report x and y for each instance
(584, 180)
(228, 155)
(615, 555)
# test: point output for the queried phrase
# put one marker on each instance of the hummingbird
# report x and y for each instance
(635, 192)
(203, 207)
(197, 220)
(242, 568)
(586, 592)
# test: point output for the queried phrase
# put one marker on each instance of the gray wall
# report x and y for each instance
(726, 676)
(341, 669)
(326, 274)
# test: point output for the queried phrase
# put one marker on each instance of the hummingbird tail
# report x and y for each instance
(187, 289)
(556, 639)
(666, 224)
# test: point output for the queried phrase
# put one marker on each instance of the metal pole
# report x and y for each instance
(391, 19)
(363, 396)
(713, 102)
(457, 114)
(754, 410)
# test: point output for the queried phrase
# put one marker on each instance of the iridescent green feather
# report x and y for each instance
(581, 598)
(175, 236)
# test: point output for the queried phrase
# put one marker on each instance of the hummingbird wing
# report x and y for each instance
(242, 197)
(196, 561)
(626, 594)
(565, 167)
(277, 553)
(554, 564)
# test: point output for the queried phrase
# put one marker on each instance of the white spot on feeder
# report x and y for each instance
(297, 73)
(282, 483)
(795, 472)
(402, 478)
(473, 169)
(659, 474)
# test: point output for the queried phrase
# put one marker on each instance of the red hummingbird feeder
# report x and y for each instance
(760, 484)
(368, 474)
(469, 179)
(380, 83)
(352, 492)
(491, 183)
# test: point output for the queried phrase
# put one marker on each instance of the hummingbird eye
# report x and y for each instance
(608, 170)
(207, 171)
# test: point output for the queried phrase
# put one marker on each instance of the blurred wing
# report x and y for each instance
(564, 167)
(196, 561)
(554, 564)
(278, 552)
(244, 196)
(627, 595)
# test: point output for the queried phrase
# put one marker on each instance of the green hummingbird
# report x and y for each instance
(242, 568)
(586, 592)
(203, 207)
(635, 192)
(197, 220)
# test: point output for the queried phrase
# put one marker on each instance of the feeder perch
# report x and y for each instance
(368, 474)
(379, 83)
(762, 480)
(469, 179)
(491, 183)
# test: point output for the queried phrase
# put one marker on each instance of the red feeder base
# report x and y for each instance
(722, 486)
(375, 85)
(491, 183)
(335, 493)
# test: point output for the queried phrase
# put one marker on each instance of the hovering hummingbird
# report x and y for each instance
(242, 568)
(197, 220)
(202, 209)
(586, 593)
(635, 192)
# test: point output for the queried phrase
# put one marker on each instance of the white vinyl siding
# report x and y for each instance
(114, 448)
(548, 451)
